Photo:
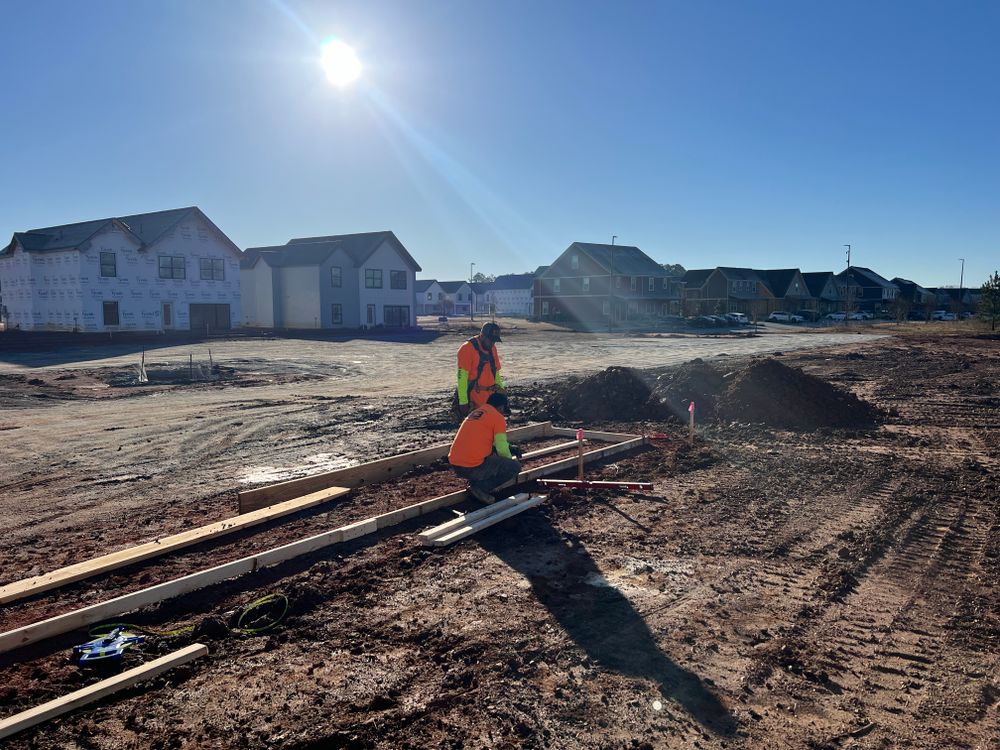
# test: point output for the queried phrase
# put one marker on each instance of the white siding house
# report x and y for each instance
(338, 281)
(147, 272)
(512, 294)
(430, 297)
(457, 297)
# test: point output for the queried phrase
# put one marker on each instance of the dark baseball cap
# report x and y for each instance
(491, 331)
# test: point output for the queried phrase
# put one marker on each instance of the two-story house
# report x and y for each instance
(595, 285)
(363, 280)
(159, 271)
(791, 293)
(430, 297)
(863, 290)
(824, 290)
(457, 297)
(716, 291)
(511, 294)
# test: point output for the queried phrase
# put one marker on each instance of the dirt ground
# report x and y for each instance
(799, 588)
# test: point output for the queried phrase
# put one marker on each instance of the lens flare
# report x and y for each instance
(340, 64)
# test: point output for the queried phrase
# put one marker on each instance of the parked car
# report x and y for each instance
(943, 315)
(784, 317)
(858, 316)
(965, 316)
(442, 318)
(737, 318)
(836, 316)
(720, 321)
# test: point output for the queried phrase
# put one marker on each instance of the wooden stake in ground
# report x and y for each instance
(579, 442)
(691, 422)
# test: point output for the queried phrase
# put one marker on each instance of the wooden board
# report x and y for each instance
(103, 611)
(607, 437)
(363, 474)
(79, 571)
(466, 518)
(483, 523)
(91, 693)
(598, 484)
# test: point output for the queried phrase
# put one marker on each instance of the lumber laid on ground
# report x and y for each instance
(91, 693)
(606, 437)
(95, 566)
(552, 449)
(367, 473)
(466, 518)
(484, 523)
(129, 602)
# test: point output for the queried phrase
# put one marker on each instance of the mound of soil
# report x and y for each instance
(694, 381)
(617, 393)
(781, 396)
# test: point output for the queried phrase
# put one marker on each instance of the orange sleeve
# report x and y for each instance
(465, 358)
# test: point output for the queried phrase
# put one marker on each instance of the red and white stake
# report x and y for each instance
(579, 443)
(691, 422)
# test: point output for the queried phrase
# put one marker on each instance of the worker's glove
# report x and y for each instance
(516, 452)
(464, 409)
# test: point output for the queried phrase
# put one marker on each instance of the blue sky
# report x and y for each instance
(763, 134)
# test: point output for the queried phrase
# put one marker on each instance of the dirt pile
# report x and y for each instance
(781, 396)
(617, 393)
(694, 381)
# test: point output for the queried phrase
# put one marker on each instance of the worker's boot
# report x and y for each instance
(482, 495)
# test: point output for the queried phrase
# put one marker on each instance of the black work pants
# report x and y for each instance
(491, 473)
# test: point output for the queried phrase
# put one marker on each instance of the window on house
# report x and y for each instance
(337, 314)
(652, 283)
(203, 234)
(110, 313)
(397, 279)
(545, 307)
(607, 308)
(665, 285)
(555, 285)
(430, 296)
(633, 279)
(618, 282)
(373, 278)
(171, 266)
(186, 232)
(108, 265)
(213, 269)
(586, 283)
(336, 277)
(574, 262)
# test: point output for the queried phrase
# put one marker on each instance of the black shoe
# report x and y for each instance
(482, 496)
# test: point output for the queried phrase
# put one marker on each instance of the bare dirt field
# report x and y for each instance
(804, 586)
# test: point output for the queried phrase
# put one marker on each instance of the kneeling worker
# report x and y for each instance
(480, 451)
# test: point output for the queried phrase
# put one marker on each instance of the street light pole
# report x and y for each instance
(611, 281)
(847, 302)
(472, 294)
(961, 282)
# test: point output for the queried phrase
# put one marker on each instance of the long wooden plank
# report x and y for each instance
(363, 474)
(91, 693)
(484, 523)
(607, 437)
(129, 602)
(95, 566)
(552, 449)
(467, 518)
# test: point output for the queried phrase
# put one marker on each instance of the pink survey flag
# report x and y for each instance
(579, 434)
(691, 407)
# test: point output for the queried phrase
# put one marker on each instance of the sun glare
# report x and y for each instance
(340, 64)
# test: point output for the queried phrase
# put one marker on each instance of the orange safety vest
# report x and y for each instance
(474, 441)
(482, 366)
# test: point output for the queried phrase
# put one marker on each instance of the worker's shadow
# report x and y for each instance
(598, 618)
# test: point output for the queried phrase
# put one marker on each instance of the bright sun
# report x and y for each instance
(340, 63)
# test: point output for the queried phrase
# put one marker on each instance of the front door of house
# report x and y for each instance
(371, 315)
(168, 315)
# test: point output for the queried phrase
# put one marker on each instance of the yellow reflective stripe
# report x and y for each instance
(502, 446)
(463, 386)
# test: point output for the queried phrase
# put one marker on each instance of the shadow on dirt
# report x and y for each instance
(599, 619)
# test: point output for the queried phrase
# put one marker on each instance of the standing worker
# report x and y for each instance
(478, 370)
(480, 451)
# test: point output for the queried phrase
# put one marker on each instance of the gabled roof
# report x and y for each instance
(514, 281)
(147, 229)
(450, 287)
(287, 256)
(740, 274)
(628, 260)
(816, 281)
(359, 247)
(696, 277)
(909, 286)
(480, 287)
(422, 285)
(866, 275)
(540, 270)
(778, 280)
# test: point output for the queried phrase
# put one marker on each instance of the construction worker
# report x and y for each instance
(480, 451)
(478, 370)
